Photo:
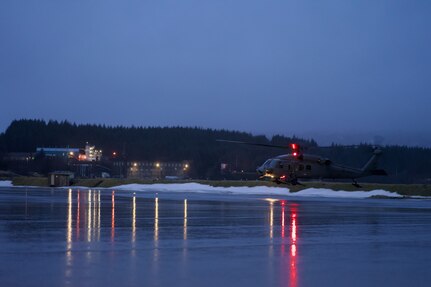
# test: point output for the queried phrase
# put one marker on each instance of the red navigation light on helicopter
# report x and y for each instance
(295, 149)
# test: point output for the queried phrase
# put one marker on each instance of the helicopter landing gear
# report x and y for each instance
(356, 184)
(294, 181)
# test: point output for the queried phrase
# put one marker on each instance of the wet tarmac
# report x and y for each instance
(61, 237)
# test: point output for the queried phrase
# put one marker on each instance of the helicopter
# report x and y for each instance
(290, 168)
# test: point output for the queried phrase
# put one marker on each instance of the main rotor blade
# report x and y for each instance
(335, 146)
(350, 146)
(254, 144)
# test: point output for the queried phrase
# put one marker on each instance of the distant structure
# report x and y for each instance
(89, 162)
(18, 156)
(58, 152)
(60, 178)
(152, 170)
(91, 153)
(84, 162)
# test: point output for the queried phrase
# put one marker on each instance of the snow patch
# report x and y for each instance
(256, 190)
(323, 192)
(6, 183)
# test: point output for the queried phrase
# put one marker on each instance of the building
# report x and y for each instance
(58, 152)
(18, 156)
(91, 153)
(60, 178)
(152, 170)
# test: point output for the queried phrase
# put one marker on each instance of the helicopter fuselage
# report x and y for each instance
(288, 168)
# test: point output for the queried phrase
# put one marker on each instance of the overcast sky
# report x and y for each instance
(314, 68)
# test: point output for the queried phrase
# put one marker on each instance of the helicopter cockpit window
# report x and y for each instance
(275, 163)
(267, 163)
(308, 167)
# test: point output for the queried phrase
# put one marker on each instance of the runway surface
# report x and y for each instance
(82, 237)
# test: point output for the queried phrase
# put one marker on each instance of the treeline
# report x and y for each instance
(199, 145)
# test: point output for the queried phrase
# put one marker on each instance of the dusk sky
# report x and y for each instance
(338, 69)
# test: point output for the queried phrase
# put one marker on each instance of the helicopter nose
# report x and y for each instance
(264, 170)
(260, 170)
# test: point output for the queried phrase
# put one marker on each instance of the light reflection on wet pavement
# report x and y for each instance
(61, 237)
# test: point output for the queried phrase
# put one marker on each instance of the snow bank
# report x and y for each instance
(257, 190)
(322, 192)
(6, 183)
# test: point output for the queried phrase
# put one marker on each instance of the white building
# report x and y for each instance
(92, 154)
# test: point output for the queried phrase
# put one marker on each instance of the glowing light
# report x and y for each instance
(185, 220)
(271, 219)
(113, 216)
(293, 233)
(135, 164)
(69, 221)
(134, 219)
(71, 153)
(98, 216)
(282, 220)
(89, 217)
(114, 153)
(94, 225)
(271, 200)
(293, 249)
(156, 220)
(69, 235)
(295, 154)
(77, 215)
(293, 146)
(186, 166)
(157, 164)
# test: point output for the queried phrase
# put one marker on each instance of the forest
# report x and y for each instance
(200, 147)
